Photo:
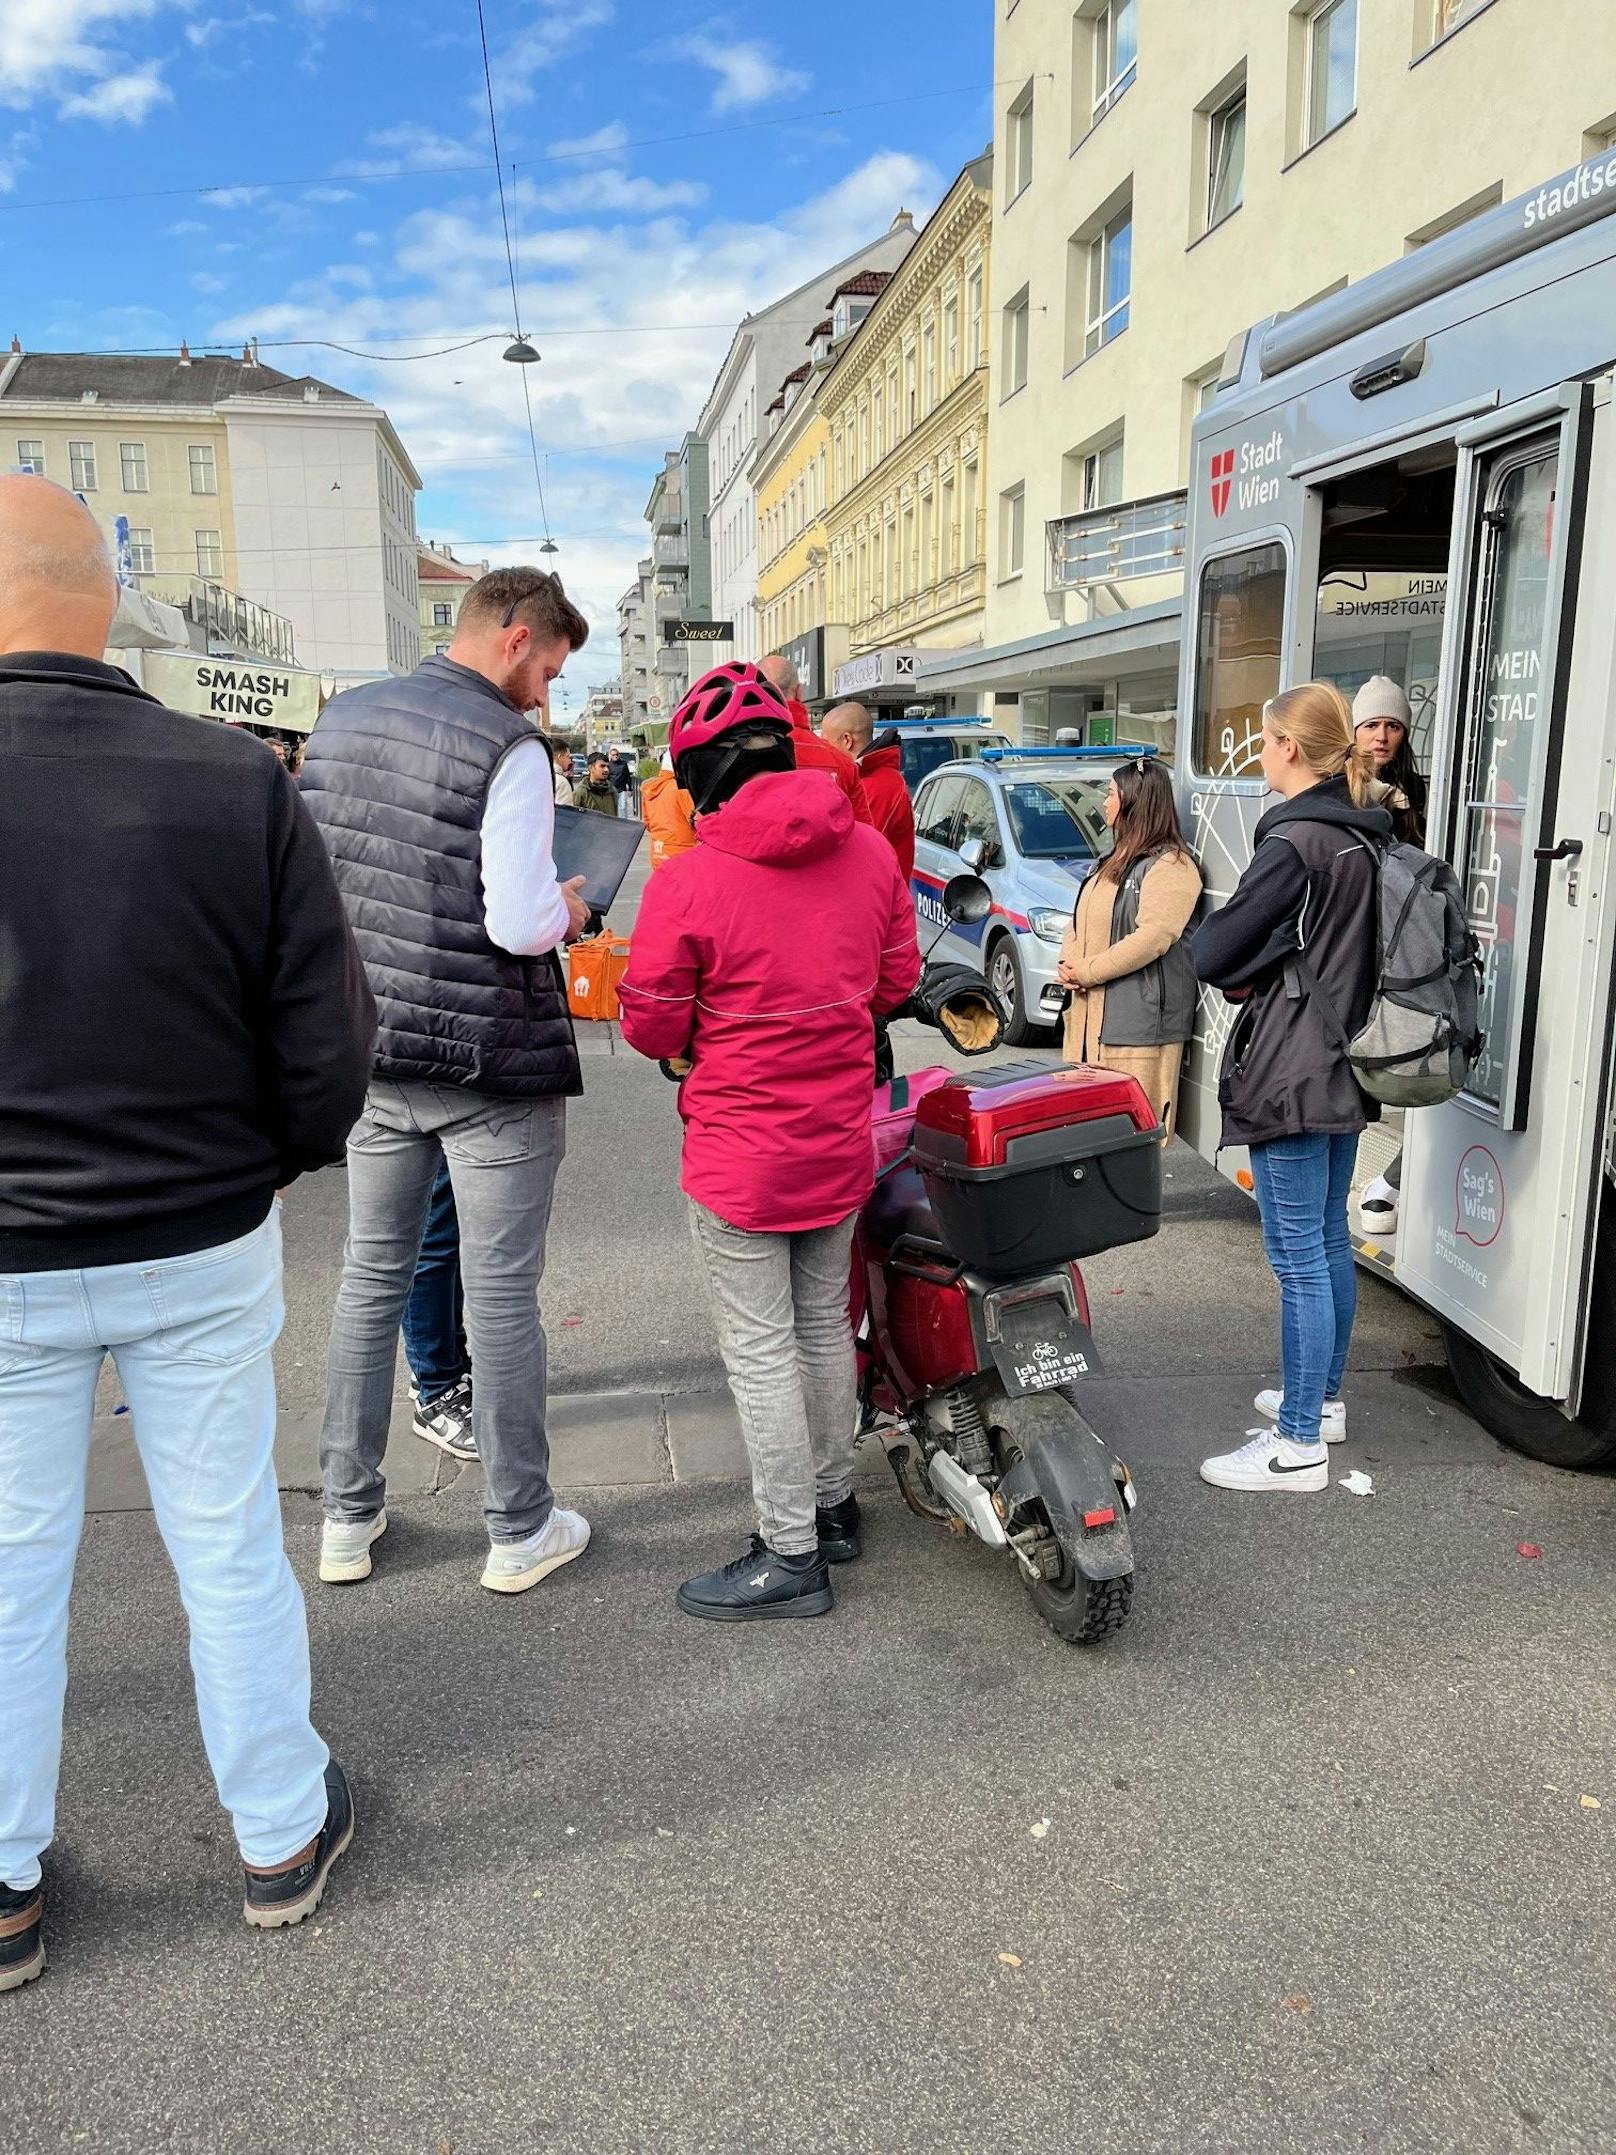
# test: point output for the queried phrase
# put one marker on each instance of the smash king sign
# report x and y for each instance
(1249, 475)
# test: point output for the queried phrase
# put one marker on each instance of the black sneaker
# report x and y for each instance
(292, 1890)
(838, 1525)
(759, 1586)
(22, 1935)
(446, 1421)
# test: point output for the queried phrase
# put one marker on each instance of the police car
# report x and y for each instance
(1031, 822)
(926, 744)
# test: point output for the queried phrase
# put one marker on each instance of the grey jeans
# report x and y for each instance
(783, 1329)
(503, 1156)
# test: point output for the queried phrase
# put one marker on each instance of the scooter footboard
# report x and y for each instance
(1065, 1468)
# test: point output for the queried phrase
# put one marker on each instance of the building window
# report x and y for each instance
(209, 554)
(875, 426)
(928, 527)
(1110, 281)
(1017, 318)
(973, 315)
(1445, 15)
(442, 614)
(81, 466)
(928, 347)
(1116, 53)
(911, 393)
(439, 650)
(948, 537)
(1102, 475)
(1226, 160)
(204, 471)
(970, 535)
(1331, 67)
(1012, 530)
(1018, 145)
(951, 352)
(142, 554)
(31, 458)
(132, 464)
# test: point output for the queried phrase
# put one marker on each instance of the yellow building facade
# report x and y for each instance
(789, 476)
(905, 411)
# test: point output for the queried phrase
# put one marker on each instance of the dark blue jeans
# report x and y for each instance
(435, 1314)
(1302, 1187)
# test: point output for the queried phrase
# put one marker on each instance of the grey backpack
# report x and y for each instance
(1421, 1038)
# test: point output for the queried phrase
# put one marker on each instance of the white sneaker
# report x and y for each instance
(1332, 1422)
(1377, 1210)
(1270, 1461)
(345, 1547)
(514, 1566)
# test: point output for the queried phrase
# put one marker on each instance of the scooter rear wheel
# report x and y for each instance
(1076, 1608)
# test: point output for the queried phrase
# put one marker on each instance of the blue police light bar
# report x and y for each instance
(1117, 752)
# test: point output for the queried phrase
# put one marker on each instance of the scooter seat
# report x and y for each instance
(899, 1207)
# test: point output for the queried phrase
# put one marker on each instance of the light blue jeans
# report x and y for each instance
(191, 1337)
(1302, 1187)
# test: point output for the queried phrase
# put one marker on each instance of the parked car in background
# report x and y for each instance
(928, 743)
(1031, 822)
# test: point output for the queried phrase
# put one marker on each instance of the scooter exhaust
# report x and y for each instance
(965, 1495)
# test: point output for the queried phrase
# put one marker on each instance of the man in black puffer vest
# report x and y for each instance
(436, 798)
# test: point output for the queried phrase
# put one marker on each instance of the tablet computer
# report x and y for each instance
(599, 848)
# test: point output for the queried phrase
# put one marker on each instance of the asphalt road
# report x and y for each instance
(1318, 1874)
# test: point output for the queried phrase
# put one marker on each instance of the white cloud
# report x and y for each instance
(559, 27)
(185, 228)
(203, 282)
(327, 194)
(127, 97)
(233, 198)
(618, 305)
(613, 136)
(748, 73)
(213, 27)
(421, 148)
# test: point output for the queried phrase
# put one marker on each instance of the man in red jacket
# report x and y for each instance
(813, 754)
(880, 767)
(760, 958)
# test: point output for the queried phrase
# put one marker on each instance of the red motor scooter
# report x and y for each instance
(969, 1307)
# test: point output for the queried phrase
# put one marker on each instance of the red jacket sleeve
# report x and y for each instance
(893, 817)
(900, 953)
(658, 992)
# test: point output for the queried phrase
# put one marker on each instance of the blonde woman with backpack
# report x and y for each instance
(1286, 1087)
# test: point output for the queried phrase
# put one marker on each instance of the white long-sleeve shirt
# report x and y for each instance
(523, 906)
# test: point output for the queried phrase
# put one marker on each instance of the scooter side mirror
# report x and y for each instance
(967, 899)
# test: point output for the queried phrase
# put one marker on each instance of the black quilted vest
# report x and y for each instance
(396, 774)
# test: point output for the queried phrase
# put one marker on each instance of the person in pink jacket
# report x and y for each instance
(759, 960)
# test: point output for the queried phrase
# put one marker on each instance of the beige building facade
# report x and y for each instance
(1166, 176)
(905, 408)
(274, 509)
(442, 582)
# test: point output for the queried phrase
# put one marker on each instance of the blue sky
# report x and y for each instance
(637, 255)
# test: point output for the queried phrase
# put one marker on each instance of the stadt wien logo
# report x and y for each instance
(1222, 480)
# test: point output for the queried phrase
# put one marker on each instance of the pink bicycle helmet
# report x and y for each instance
(725, 697)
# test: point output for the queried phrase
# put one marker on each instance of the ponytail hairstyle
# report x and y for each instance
(1318, 718)
(1148, 823)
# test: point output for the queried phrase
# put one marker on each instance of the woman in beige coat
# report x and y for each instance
(1133, 987)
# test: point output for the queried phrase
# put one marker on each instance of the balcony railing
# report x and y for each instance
(1107, 546)
(227, 618)
(671, 553)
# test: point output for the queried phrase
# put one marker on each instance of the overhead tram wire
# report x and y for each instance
(510, 264)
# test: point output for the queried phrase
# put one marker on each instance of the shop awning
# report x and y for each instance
(144, 624)
(1144, 636)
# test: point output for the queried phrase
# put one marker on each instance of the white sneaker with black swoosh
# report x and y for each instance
(1269, 1461)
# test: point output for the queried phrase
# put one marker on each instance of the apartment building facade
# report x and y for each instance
(636, 642)
(442, 582)
(1165, 177)
(904, 411)
(765, 348)
(233, 486)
